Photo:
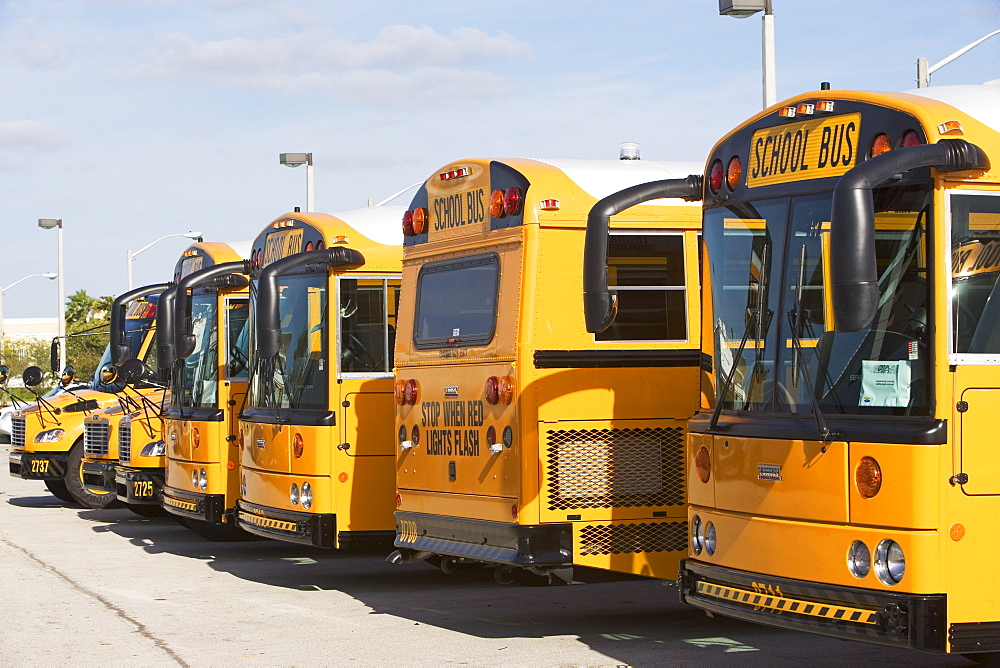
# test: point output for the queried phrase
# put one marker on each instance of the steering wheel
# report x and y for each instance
(356, 352)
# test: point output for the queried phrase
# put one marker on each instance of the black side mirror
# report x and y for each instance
(68, 374)
(32, 376)
(4, 373)
(54, 356)
(133, 371)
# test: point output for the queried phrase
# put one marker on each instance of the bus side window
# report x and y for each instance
(647, 273)
(367, 326)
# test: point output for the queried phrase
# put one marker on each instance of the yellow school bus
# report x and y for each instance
(524, 442)
(47, 440)
(843, 480)
(317, 444)
(204, 322)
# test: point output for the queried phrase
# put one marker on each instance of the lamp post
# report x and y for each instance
(48, 224)
(296, 159)
(3, 333)
(924, 72)
(130, 256)
(742, 9)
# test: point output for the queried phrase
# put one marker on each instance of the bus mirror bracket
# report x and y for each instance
(268, 318)
(180, 341)
(600, 306)
(853, 275)
(119, 347)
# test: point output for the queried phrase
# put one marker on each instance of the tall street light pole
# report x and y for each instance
(130, 256)
(742, 9)
(296, 159)
(48, 224)
(3, 333)
(924, 72)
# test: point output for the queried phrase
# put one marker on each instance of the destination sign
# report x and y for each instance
(191, 264)
(282, 244)
(813, 149)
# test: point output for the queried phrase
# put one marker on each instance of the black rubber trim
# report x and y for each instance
(544, 545)
(208, 507)
(310, 528)
(20, 465)
(597, 359)
(903, 620)
(974, 637)
(909, 431)
(284, 416)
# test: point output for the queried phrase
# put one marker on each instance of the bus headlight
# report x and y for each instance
(243, 487)
(49, 436)
(154, 449)
(194, 479)
(307, 496)
(859, 559)
(890, 564)
(697, 539)
(710, 538)
(293, 494)
(203, 480)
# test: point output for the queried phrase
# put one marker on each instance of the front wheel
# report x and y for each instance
(59, 490)
(146, 510)
(218, 533)
(76, 488)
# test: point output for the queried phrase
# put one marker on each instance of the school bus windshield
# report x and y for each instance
(298, 375)
(771, 313)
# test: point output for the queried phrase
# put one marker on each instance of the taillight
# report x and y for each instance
(512, 201)
(411, 391)
(513, 511)
(491, 435)
(715, 177)
(703, 464)
(309, 246)
(911, 138)
(399, 392)
(492, 390)
(195, 437)
(734, 170)
(868, 477)
(415, 435)
(419, 220)
(298, 445)
(880, 145)
(496, 204)
(506, 389)
(408, 224)
(399, 500)
(320, 245)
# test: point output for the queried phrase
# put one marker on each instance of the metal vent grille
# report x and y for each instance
(615, 468)
(18, 426)
(633, 538)
(125, 442)
(96, 435)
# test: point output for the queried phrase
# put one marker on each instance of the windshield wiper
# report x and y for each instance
(726, 386)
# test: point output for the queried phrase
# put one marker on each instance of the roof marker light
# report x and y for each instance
(339, 239)
(454, 174)
(824, 105)
(805, 109)
(950, 126)
(787, 112)
(550, 205)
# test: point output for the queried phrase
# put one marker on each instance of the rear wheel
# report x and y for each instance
(59, 490)
(218, 533)
(75, 486)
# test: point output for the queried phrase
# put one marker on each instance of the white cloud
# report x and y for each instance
(402, 64)
(19, 140)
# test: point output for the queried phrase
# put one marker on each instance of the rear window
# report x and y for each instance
(457, 302)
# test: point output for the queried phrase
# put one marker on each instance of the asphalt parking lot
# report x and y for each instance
(111, 588)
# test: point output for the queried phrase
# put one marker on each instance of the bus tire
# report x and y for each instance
(75, 486)
(218, 533)
(59, 490)
(145, 510)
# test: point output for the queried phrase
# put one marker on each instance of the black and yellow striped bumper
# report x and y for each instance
(195, 506)
(907, 620)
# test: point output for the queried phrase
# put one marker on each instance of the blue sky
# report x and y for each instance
(132, 119)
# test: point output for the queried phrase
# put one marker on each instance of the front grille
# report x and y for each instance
(18, 426)
(614, 468)
(125, 442)
(96, 434)
(633, 538)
